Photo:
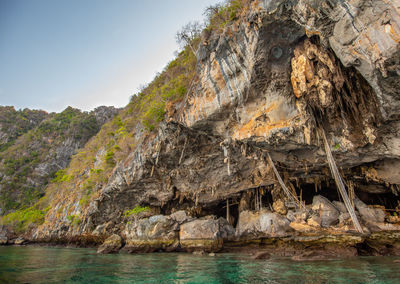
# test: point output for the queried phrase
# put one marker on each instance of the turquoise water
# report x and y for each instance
(75, 265)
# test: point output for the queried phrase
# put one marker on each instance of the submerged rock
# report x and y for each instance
(262, 255)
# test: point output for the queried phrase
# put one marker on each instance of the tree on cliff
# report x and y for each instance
(189, 34)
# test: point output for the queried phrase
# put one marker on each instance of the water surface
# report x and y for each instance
(77, 265)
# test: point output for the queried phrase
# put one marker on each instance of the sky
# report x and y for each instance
(86, 53)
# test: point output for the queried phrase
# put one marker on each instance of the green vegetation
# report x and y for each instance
(34, 158)
(169, 86)
(15, 123)
(75, 220)
(60, 176)
(134, 212)
(22, 219)
(109, 158)
(221, 15)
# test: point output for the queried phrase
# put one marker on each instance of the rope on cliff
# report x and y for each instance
(288, 193)
(340, 184)
(183, 151)
(158, 149)
(228, 216)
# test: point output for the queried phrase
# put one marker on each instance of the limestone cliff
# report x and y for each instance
(269, 86)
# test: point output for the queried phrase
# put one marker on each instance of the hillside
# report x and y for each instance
(14, 123)
(276, 127)
(37, 156)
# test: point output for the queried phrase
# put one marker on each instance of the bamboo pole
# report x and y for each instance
(183, 151)
(340, 184)
(282, 184)
(228, 217)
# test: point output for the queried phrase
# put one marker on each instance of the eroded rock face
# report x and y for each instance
(262, 224)
(158, 232)
(205, 234)
(368, 215)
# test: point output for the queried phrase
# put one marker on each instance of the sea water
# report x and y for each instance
(31, 264)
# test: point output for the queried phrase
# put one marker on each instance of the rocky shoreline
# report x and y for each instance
(321, 230)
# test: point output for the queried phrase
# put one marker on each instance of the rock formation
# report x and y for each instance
(268, 85)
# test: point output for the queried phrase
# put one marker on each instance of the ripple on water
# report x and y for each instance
(72, 265)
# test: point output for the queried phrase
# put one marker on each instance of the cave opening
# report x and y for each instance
(387, 199)
(307, 191)
(219, 209)
(382, 197)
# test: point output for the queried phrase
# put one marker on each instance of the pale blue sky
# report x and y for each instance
(86, 53)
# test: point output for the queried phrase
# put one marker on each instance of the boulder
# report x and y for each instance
(299, 215)
(314, 221)
(205, 234)
(262, 224)
(180, 216)
(340, 206)
(111, 244)
(368, 214)
(19, 241)
(302, 227)
(3, 240)
(157, 233)
(279, 207)
(327, 211)
(226, 230)
(393, 219)
(345, 219)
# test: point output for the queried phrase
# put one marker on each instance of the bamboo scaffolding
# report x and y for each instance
(288, 193)
(340, 184)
